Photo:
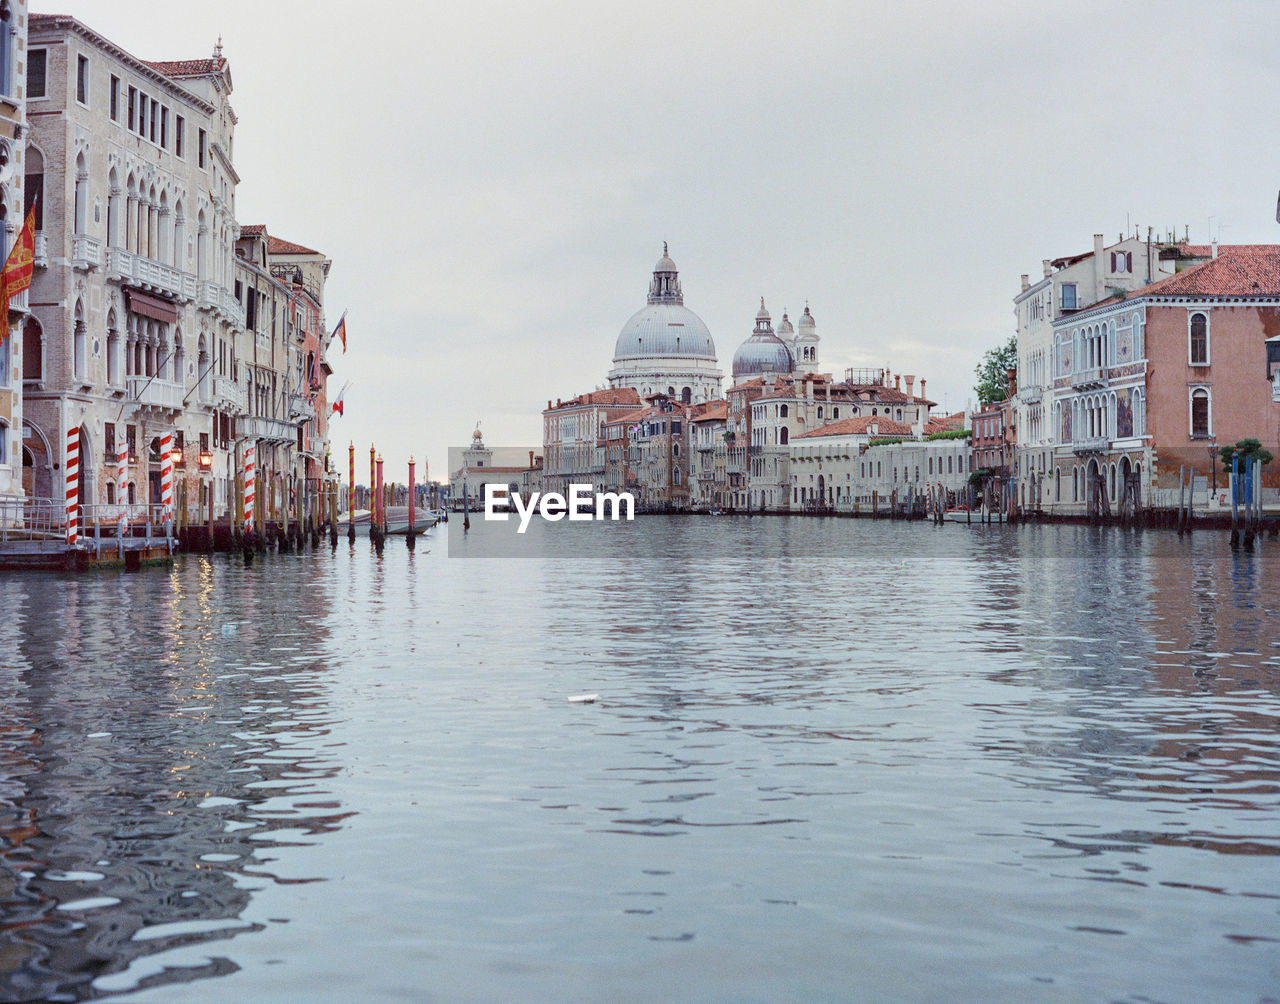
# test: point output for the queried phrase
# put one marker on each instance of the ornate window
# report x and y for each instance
(1201, 415)
(1199, 340)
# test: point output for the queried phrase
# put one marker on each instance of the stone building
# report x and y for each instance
(1070, 284)
(1147, 384)
(665, 348)
(150, 315)
(837, 468)
(573, 431)
(13, 205)
(132, 302)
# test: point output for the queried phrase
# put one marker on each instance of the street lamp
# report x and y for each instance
(1213, 463)
(206, 459)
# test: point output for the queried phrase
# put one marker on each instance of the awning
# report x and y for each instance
(150, 306)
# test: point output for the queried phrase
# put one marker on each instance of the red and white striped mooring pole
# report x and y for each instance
(72, 473)
(250, 483)
(166, 479)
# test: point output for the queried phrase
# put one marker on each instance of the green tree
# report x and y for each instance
(993, 378)
(1247, 450)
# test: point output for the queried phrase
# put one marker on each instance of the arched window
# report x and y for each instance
(114, 355)
(784, 437)
(32, 350)
(782, 411)
(80, 349)
(1200, 417)
(114, 196)
(33, 183)
(1199, 340)
(82, 195)
(686, 395)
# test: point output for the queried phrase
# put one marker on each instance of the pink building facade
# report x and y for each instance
(1147, 384)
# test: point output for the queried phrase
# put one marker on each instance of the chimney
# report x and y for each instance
(1048, 269)
(1214, 247)
(911, 380)
(1026, 282)
(922, 386)
(548, 404)
(897, 381)
(530, 458)
(1011, 375)
(1098, 286)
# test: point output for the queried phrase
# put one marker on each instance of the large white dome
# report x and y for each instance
(664, 330)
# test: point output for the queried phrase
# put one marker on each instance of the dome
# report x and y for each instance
(764, 352)
(664, 329)
(785, 327)
(807, 320)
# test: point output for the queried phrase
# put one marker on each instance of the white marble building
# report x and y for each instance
(665, 348)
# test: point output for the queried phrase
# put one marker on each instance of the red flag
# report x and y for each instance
(16, 274)
(337, 405)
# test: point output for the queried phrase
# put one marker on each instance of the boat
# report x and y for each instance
(963, 514)
(397, 520)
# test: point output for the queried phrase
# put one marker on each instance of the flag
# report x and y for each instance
(337, 404)
(340, 332)
(16, 274)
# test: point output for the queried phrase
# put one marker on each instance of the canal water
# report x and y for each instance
(829, 759)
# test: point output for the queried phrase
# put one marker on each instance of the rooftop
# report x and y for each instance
(859, 426)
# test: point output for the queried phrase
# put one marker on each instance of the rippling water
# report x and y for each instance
(830, 759)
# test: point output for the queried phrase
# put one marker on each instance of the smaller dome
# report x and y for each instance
(764, 352)
(476, 435)
(807, 320)
(785, 328)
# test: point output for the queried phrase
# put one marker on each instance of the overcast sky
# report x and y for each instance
(494, 181)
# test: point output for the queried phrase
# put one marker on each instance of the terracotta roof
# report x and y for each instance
(616, 396)
(631, 416)
(716, 411)
(277, 246)
(1239, 270)
(859, 426)
(252, 229)
(188, 67)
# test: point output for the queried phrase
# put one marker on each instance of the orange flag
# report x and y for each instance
(16, 274)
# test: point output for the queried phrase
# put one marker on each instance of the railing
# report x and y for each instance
(271, 429)
(300, 407)
(228, 394)
(20, 301)
(144, 271)
(1094, 444)
(86, 252)
(210, 296)
(156, 393)
(46, 519)
(1094, 376)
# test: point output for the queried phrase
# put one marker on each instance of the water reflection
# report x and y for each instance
(973, 761)
(158, 749)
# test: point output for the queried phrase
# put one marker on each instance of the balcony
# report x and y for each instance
(269, 430)
(41, 246)
(152, 392)
(149, 274)
(86, 252)
(1089, 379)
(20, 301)
(227, 396)
(300, 408)
(211, 296)
(1030, 393)
(1094, 444)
